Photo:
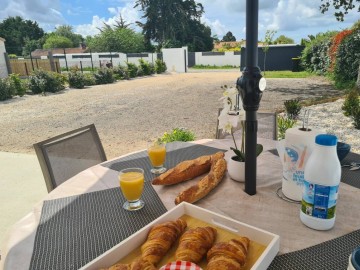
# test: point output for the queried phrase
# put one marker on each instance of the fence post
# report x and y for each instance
(111, 59)
(92, 64)
(81, 67)
(32, 63)
(37, 64)
(67, 68)
(7, 61)
(26, 69)
(51, 61)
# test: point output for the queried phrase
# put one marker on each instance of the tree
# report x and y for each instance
(55, 41)
(123, 40)
(284, 40)
(173, 22)
(342, 5)
(16, 31)
(67, 31)
(30, 45)
(269, 35)
(228, 37)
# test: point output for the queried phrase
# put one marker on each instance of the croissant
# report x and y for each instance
(187, 170)
(228, 256)
(194, 244)
(138, 264)
(161, 237)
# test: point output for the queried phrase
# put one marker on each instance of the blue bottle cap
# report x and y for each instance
(355, 258)
(326, 139)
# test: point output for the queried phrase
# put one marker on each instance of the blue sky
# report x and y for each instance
(293, 18)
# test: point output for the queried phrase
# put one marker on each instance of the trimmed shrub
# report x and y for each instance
(160, 66)
(132, 70)
(76, 79)
(146, 67)
(17, 85)
(351, 103)
(178, 134)
(315, 56)
(122, 72)
(104, 76)
(347, 61)
(292, 108)
(42, 81)
(5, 90)
(89, 79)
(356, 117)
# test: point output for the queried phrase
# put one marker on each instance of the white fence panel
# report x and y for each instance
(176, 59)
(217, 59)
(3, 68)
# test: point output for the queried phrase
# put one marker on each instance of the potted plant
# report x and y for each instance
(231, 115)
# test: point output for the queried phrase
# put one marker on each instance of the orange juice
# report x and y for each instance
(132, 184)
(157, 154)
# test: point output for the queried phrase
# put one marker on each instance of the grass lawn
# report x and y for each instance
(286, 74)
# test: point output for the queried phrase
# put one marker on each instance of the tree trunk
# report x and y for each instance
(358, 79)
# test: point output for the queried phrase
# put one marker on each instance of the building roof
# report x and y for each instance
(42, 52)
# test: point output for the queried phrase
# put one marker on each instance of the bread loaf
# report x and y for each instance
(228, 256)
(205, 185)
(187, 170)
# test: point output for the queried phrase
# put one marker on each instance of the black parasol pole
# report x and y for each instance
(250, 86)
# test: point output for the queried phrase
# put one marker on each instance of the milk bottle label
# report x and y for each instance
(319, 201)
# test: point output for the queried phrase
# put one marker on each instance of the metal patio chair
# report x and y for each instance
(65, 155)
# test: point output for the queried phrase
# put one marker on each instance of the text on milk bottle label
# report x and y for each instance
(319, 201)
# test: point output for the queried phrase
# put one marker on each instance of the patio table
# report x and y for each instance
(264, 210)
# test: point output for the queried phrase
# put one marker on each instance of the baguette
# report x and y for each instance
(187, 170)
(205, 185)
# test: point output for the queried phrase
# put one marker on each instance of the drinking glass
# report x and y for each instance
(132, 185)
(157, 154)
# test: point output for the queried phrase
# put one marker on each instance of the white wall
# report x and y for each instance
(218, 60)
(176, 59)
(3, 68)
(86, 61)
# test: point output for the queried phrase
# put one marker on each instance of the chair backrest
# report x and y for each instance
(65, 155)
(267, 126)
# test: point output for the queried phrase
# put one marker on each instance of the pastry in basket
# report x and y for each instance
(138, 264)
(205, 185)
(228, 255)
(187, 170)
(194, 244)
(161, 237)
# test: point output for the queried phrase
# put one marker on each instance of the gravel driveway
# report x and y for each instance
(128, 113)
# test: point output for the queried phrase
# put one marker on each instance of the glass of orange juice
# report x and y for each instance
(157, 154)
(132, 185)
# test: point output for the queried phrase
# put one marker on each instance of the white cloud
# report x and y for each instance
(217, 28)
(46, 13)
(128, 13)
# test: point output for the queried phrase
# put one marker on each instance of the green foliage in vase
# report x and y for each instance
(284, 123)
(178, 134)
